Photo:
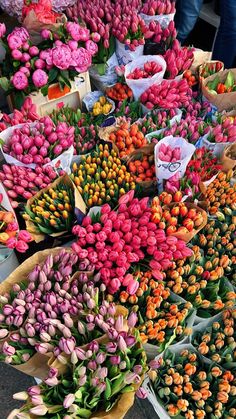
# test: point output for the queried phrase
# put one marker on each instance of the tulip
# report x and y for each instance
(39, 410)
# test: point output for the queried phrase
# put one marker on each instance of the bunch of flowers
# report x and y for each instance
(218, 238)
(129, 28)
(189, 388)
(203, 164)
(161, 320)
(21, 183)
(27, 113)
(218, 340)
(163, 37)
(201, 280)
(143, 168)
(127, 138)
(189, 128)
(58, 58)
(10, 236)
(167, 95)
(220, 195)
(159, 7)
(178, 59)
(85, 131)
(43, 11)
(39, 143)
(98, 16)
(52, 211)
(156, 120)
(15, 7)
(124, 237)
(197, 109)
(222, 132)
(100, 374)
(101, 177)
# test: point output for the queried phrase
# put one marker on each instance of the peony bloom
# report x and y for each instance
(40, 78)
(61, 57)
(46, 34)
(20, 81)
(77, 32)
(17, 38)
(91, 47)
(81, 59)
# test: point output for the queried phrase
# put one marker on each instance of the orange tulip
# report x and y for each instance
(223, 397)
(182, 404)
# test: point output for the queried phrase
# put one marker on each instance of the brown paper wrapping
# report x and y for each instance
(79, 203)
(188, 236)
(202, 66)
(34, 26)
(200, 57)
(224, 101)
(37, 364)
(227, 162)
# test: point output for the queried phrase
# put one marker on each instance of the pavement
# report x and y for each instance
(13, 381)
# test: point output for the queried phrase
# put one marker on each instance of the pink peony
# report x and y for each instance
(61, 57)
(91, 47)
(40, 78)
(20, 81)
(39, 63)
(16, 54)
(2, 29)
(77, 32)
(46, 34)
(81, 59)
(17, 38)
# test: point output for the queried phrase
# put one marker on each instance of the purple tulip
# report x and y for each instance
(111, 347)
(69, 400)
(42, 348)
(155, 364)
(119, 325)
(8, 349)
(39, 410)
(93, 346)
(80, 354)
(34, 390)
(138, 369)
(132, 319)
(100, 358)
(89, 353)
(36, 399)
(92, 365)
(30, 330)
(115, 360)
(130, 340)
(33, 276)
(81, 328)
(141, 393)
(100, 388)
(132, 378)
(7, 309)
(112, 334)
(82, 380)
(3, 333)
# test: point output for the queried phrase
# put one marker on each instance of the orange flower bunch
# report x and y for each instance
(201, 281)
(128, 139)
(218, 342)
(8, 226)
(220, 195)
(160, 318)
(191, 389)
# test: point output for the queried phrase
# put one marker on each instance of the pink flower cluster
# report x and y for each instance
(19, 242)
(158, 7)
(167, 95)
(178, 59)
(129, 29)
(40, 143)
(125, 237)
(222, 132)
(74, 53)
(161, 35)
(27, 113)
(169, 154)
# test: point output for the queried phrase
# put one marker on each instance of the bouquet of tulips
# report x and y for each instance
(85, 131)
(178, 59)
(223, 131)
(27, 113)
(102, 378)
(21, 183)
(10, 235)
(52, 210)
(215, 339)
(162, 319)
(123, 237)
(167, 95)
(201, 280)
(157, 120)
(220, 195)
(187, 387)
(158, 39)
(159, 7)
(101, 177)
(39, 143)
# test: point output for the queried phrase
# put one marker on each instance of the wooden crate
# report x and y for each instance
(73, 97)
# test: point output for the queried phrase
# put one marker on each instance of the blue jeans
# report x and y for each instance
(187, 12)
(225, 43)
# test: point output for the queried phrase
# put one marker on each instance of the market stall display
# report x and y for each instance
(139, 175)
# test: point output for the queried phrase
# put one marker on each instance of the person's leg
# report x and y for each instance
(225, 43)
(187, 12)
